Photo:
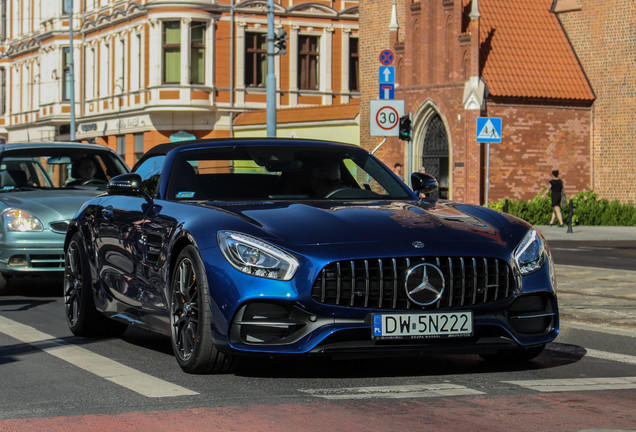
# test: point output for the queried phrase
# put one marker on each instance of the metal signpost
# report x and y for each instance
(488, 131)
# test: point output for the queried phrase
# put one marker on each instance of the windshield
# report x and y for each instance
(59, 168)
(283, 173)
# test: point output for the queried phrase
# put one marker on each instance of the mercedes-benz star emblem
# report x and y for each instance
(424, 284)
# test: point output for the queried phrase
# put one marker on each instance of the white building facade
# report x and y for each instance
(146, 72)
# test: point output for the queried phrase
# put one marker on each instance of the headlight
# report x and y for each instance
(19, 220)
(255, 257)
(530, 254)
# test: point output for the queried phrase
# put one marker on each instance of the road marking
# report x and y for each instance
(96, 364)
(601, 328)
(577, 384)
(393, 392)
(622, 358)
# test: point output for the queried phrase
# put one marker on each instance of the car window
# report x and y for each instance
(56, 168)
(270, 173)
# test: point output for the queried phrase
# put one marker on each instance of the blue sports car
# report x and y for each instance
(286, 246)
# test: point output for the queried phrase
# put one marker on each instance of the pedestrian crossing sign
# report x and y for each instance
(489, 129)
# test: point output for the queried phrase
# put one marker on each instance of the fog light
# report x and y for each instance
(18, 261)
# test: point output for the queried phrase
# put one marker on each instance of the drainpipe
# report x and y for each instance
(232, 69)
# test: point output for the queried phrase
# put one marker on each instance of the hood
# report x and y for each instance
(48, 205)
(393, 226)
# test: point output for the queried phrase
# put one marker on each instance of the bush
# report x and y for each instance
(588, 209)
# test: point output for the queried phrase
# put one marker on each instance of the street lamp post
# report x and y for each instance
(71, 68)
(271, 75)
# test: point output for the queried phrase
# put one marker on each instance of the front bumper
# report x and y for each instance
(279, 328)
(26, 253)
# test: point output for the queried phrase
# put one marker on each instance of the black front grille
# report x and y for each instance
(379, 283)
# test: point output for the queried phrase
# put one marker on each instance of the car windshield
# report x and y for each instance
(281, 173)
(57, 168)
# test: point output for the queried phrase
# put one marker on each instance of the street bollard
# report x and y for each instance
(505, 209)
(571, 210)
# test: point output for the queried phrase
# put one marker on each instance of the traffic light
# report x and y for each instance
(280, 41)
(405, 128)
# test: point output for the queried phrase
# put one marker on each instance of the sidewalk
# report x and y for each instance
(594, 233)
(594, 298)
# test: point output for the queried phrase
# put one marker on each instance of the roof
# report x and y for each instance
(54, 145)
(524, 52)
(301, 114)
(164, 149)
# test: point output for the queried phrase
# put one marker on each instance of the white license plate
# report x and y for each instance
(422, 325)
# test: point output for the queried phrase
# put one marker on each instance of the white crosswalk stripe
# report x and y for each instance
(577, 384)
(101, 366)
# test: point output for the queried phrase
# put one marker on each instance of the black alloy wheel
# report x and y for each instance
(190, 318)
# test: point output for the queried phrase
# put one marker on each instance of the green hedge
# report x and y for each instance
(588, 210)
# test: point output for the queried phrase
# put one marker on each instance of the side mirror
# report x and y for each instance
(125, 184)
(424, 184)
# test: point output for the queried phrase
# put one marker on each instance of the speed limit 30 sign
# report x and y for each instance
(385, 117)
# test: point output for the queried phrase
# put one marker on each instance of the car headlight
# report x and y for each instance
(255, 257)
(19, 220)
(530, 255)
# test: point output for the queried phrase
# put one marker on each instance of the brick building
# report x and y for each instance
(603, 34)
(460, 59)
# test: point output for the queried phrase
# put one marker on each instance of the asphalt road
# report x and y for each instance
(52, 381)
(603, 254)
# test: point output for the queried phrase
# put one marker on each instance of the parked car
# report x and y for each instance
(286, 246)
(41, 188)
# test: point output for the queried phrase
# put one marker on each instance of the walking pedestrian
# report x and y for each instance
(398, 170)
(556, 188)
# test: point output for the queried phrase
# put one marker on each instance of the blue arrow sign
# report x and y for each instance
(387, 91)
(489, 129)
(387, 74)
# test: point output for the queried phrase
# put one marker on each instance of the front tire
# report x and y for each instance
(191, 332)
(82, 317)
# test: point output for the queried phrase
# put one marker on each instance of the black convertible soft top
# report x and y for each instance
(164, 149)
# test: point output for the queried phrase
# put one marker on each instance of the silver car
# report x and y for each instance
(41, 188)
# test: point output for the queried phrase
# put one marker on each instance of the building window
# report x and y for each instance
(171, 52)
(308, 62)
(66, 83)
(66, 7)
(139, 146)
(255, 59)
(121, 145)
(354, 68)
(197, 53)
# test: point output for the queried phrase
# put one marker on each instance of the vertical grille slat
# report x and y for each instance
(379, 283)
(496, 279)
(353, 283)
(395, 283)
(367, 282)
(338, 282)
(451, 283)
(485, 280)
(463, 268)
